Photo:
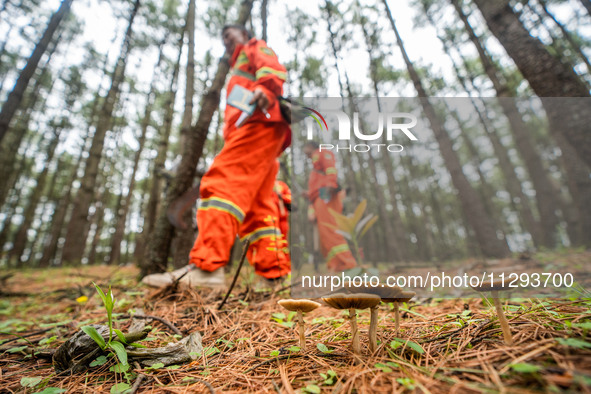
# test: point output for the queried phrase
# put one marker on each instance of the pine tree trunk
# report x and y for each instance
(15, 97)
(566, 34)
(115, 253)
(547, 76)
(43, 228)
(472, 207)
(518, 199)
(159, 161)
(587, 5)
(20, 238)
(184, 239)
(546, 195)
(160, 240)
(264, 9)
(579, 185)
(78, 228)
(10, 146)
(99, 220)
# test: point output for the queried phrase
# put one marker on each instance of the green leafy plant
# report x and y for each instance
(284, 320)
(117, 347)
(353, 227)
(312, 388)
(330, 377)
(323, 348)
(386, 367)
(397, 342)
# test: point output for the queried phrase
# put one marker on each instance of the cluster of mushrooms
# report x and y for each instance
(370, 298)
(352, 301)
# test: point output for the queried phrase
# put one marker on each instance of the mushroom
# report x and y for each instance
(402, 296)
(386, 294)
(494, 289)
(352, 302)
(301, 307)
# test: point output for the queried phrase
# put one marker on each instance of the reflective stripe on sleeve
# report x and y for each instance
(264, 71)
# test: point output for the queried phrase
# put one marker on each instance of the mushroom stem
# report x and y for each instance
(373, 330)
(301, 325)
(354, 331)
(502, 319)
(397, 317)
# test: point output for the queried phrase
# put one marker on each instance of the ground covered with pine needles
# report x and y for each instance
(250, 345)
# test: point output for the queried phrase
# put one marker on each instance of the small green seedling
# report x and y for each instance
(330, 377)
(117, 347)
(285, 321)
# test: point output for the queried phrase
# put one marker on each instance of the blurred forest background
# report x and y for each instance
(112, 109)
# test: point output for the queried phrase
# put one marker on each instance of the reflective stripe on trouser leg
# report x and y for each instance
(222, 205)
(267, 256)
(262, 232)
(230, 187)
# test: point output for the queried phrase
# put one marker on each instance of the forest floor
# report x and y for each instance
(251, 344)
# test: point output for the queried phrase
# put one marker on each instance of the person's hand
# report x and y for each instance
(260, 98)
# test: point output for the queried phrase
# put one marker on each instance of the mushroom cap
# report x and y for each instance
(403, 296)
(386, 293)
(497, 285)
(352, 301)
(299, 305)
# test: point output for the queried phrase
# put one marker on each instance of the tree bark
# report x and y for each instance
(576, 47)
(518, 199)
(155, 191)
(184, 238)
(20, 238)
(587, 5)
(546, 195)
(547, 76)
(472, 207)
(161, 238)
(10, 146)
(16, 95)
(264, 9)
(77, 231)
(115, 253)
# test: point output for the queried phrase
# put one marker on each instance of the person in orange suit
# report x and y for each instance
(283, 201)
(323, 193)
(237, 191)
(275, 248)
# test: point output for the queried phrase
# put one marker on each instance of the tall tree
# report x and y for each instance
(163, 137)
(77, 231)
(546, 74)
(547, 198)
(264, 12)
(16, 95)
(20, 237)
(184, 238)
(473, 209)
(115, 254)
(160, 240)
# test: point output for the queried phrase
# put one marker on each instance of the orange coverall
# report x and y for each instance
(333, 246)
(283, 197)
(237, 191)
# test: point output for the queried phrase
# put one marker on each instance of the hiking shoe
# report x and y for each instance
(265, 284)
(189, 275)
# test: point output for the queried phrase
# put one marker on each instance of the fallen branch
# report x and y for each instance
(139, 379)
(242, 258)
(160, 319)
